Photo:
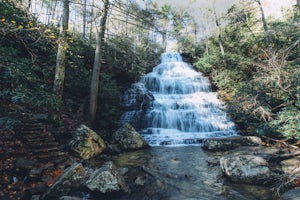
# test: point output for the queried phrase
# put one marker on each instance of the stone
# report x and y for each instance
(123, 170)
(246, 169)
(87, 143)
(293, 194)
(291, 167)
(106, 179)
(228, 143)
(24, 164)
(35, 197)
(69, 198)
(140, 181)
(72, 177)
(128, 138)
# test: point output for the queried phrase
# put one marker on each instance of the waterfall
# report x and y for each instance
(183, 109)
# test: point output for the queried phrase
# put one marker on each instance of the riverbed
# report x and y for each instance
(184, 172)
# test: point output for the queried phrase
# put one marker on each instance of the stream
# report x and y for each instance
(185, 172)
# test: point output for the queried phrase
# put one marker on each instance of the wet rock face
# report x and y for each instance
(106, 179)
(246, 169)
(73, 177)
(136, 100)
(138, 97)
(228, 143)
(86, 142)
(128, 138)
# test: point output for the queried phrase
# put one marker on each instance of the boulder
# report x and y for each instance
(228, 143)
(86, 142)
(246, 169)
(128, 138)
(73, 177)
(293, 194)
(106, 179)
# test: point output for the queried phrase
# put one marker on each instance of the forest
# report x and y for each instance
(68, 62)
(253, 63)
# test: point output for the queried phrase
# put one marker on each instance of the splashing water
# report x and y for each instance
(184, 110)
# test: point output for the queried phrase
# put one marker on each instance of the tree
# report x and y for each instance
(98, 62)
(61, 52)
(84, 19)
(265, 24)
(219, 30)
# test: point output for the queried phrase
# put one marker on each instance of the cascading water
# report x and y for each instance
(184, 109)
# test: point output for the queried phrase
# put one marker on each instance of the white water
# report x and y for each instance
(185, 110)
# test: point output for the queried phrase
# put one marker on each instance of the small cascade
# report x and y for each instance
(183, 110)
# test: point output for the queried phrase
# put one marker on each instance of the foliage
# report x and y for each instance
(109, 103)
(288, 123)
(261, 87)
(27, 66)
(128, 60)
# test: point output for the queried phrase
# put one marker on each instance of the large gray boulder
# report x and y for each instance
(128, 138)
(106, 179)
(228, 143)
(246, 169)
(87, 143)
(73, 177)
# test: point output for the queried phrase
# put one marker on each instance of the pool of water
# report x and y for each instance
(185, 172)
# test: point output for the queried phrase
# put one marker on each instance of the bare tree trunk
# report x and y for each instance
(92, 20)
(53, 12)
(97, 63)
(164, 40)
(220, 33)
(84, 19)
(28, 7)
(61, 52)
(265, 24)
(206, 45)
(195, 31)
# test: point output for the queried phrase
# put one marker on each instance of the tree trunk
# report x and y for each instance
(53, 12)
(298, 4)
(84, 19)
(92, 19)
(265, 25)
(61, 52)
(164, 40)
(220, 33)
(97, 63)
(28, 7)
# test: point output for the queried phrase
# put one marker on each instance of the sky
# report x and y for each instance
(271, 7)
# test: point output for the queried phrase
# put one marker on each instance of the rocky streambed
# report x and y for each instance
(186, 172)
(223, 168)
(236, 167)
